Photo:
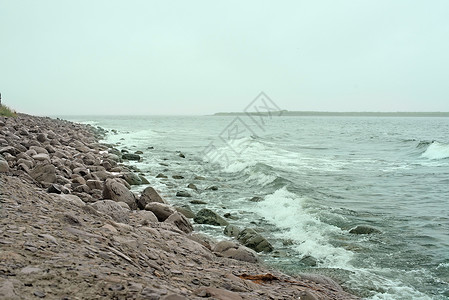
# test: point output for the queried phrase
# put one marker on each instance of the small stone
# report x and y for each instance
(177, 177)
(39, 294)
(160, 175)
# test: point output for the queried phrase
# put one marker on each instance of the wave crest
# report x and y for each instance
(436, 151)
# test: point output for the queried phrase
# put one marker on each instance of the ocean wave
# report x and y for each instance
(285, 210)
(436, 151)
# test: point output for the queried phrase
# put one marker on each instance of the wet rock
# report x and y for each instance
(183, 194)
(232, 230)
(162, 211)
(199, 178)
(251, 239)
(160, 175)
(143, 179)
(207, 216)
(112, 209)
(212, 188)
(116, 191)
(309, 261)
(197, 202)
(130, 156)
(256, 199)
(182, 155)
(364, 229)
(192, 186)
(149, 195)
(138, 152)
(180, 221)
(177, 177)
(132, 178)
(186, 211)
(44, 173)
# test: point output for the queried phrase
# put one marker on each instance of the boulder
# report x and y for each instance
(75, 200)
(207, 216)
(186, 211)
(146, 217)
(4, 167)
(116, 191)
(180, 221)
(364, 229)
(143, 179)
(95, 184)
(112, 209)
(130, 156)
(132, 178)
(44, 173)
(233, 250)
(251, 239)
(232, 230)
(161, 210)
(149, 195)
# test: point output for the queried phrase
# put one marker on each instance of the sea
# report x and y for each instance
(317, 177)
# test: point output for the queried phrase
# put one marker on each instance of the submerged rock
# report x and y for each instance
(251, 239)
(364, 229)
(130, 156)
(232, 230)
(183, 194)
(207, 216)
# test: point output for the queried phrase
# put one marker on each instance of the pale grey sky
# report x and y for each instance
(201, 57)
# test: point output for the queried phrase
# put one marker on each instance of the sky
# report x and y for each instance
(60, 57)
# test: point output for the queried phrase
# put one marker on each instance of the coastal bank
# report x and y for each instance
(71, 228)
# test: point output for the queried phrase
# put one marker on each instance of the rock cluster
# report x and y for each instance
(72, 228)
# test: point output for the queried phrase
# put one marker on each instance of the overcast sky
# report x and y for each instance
(201, 57)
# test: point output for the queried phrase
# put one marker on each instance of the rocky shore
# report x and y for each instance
(71, 228)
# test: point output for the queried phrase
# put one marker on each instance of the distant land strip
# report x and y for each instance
(336, 114)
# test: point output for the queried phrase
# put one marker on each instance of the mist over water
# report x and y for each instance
(318, 177)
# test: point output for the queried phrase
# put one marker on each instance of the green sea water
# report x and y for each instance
(317, 177)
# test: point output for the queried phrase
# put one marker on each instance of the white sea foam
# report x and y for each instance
(285, 210)
(436, 150)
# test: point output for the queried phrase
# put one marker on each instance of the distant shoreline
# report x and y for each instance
(336, 114)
